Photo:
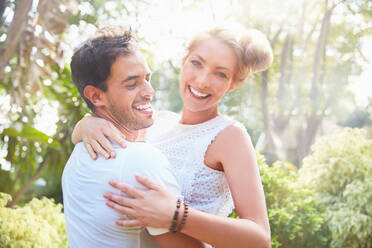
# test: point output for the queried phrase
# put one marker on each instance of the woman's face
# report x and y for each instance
(206, 75)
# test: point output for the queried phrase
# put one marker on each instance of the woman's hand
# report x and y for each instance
(154, 207)
(94, 132)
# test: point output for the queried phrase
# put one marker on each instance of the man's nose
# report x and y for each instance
(148, 91)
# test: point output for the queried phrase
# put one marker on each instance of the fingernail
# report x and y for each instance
(139, 176)
(113, 154)
(112, 181)
(107, 156)
(108, 203)
(106, 195)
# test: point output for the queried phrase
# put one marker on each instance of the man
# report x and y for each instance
(114, 80)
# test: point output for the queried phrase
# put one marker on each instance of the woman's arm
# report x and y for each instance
(179, 240)
(234, 150)
(94, 133)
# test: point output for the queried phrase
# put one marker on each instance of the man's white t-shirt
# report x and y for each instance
(89, 222)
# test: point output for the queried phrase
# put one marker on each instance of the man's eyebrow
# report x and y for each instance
(130, 78)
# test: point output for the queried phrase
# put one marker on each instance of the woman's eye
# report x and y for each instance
(195, 62)
(221, 74)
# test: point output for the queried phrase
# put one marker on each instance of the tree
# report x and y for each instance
(314, 56)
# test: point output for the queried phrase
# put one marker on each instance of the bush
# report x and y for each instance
(296, 219)
(40, 223)
(340, 171)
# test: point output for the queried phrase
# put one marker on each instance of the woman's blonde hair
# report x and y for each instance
(253, 50)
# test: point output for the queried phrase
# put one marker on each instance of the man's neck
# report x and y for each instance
(130, 135)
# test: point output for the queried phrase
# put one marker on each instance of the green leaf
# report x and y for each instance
(28, 132)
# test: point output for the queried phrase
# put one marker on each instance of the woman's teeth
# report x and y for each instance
(197, 93)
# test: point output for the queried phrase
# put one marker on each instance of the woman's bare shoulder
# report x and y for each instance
(233, 133)
(230, 141)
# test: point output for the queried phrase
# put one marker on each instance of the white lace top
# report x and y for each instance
(203, 188)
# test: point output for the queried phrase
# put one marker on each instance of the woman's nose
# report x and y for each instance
(203, 80)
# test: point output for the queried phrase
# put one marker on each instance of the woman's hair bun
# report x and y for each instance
(257, 52)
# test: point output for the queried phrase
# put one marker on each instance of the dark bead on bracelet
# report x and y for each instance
(173, 226)
(184, 217)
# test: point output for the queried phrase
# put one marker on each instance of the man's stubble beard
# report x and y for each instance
(125, 117)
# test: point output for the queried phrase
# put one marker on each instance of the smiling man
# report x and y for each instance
(114, 80)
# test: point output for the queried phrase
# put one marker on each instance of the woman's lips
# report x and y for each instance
(194, 92)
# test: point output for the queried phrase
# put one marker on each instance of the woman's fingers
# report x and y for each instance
(147, 182)
(113, 133)
(90, 151)
(119, 199)
(98, 149)
(127, 189)
(129, 223)
(123, 210)
(106, 145)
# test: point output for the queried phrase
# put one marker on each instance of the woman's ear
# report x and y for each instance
(94, 95)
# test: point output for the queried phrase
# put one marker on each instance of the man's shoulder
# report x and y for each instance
(145, 159)
(140, 151)
(80, 152)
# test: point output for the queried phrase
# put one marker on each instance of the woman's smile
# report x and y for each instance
(198, 94)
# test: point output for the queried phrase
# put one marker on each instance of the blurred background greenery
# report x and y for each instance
(319, 84)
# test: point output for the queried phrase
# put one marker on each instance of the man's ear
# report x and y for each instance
(94, 95)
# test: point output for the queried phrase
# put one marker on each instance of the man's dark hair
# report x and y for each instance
(91, 63)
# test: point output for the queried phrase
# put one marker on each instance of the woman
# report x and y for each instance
(212, 155)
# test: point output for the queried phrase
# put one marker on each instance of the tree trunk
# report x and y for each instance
(23, 190)
(265, 114)
(2, 9)
(14, 33)
(281, 119)
(314, 120)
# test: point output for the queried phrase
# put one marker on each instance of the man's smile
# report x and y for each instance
(144, 107)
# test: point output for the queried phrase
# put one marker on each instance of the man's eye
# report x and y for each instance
(132, 85)
(195, 62)
(222, 75)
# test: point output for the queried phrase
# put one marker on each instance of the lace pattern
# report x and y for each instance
(204, 188)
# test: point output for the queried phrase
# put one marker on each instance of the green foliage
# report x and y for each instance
(340, 172)
(358, 118)
(40, 223)
(296, 219)
(31, 134)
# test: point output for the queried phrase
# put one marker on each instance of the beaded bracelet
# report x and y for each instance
(184, 217)
(173, 226)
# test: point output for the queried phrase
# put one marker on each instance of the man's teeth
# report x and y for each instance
(145, 106)
(197, 93)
